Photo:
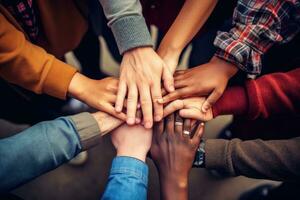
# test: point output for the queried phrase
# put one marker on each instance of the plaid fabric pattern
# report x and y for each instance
(25, 14)
(257, 25)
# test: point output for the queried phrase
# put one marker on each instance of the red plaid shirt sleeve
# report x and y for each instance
(257, 25)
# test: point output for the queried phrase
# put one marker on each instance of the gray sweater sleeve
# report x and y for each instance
(127, 23)
(273, 159)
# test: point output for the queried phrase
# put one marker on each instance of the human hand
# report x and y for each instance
(205, 80)
(106, 122)
(140, 76)
(189, 108)
(99, 94)
(170, 56)
(133, 141)
(173, 154)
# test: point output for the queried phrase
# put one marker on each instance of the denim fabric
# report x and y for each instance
(128, 180)
(37, 150)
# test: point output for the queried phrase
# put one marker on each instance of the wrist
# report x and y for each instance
(131, 152)
(229, 68)
(173, 188)
(77, 86)
(106, 122)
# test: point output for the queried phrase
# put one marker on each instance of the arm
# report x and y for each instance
(127, 23)
(258, 25)
(274, 159)
(173, 154)
(128, 177)
(47, 145)
(29, 66)
(269, 95)
(191, 18)
(141, 69)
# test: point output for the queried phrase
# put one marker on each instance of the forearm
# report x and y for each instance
(257, 26)
(122, 170)
(173, 188)
(37, 150)
(270, 95)
(30, 66)
(274, 159)
(190, 20)
(128, 25)
(44, 147)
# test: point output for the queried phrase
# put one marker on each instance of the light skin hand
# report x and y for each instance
(140, 77)
(205, 80)
(106, 122)
(173, 154)
(189, 108)
(133, 141)
(99, 94)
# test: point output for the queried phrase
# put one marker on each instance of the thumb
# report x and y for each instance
(168, 79)
(211, 100)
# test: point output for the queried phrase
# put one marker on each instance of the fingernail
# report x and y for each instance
(130, 121)
(202, 124)
(118, 109)
(148, 125)
(137, 120)
(205, 108)
(157, 118)
(172, 88)
(161, 101)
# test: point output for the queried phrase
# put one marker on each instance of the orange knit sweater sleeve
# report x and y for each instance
(29, 66)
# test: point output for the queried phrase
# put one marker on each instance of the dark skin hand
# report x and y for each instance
(173, 154)
(208, 80)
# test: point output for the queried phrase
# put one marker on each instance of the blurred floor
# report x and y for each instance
(87, 182)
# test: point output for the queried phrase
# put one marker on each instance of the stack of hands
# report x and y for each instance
(139, 99)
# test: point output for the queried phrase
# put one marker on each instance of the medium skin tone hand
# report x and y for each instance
(205, 80)
(173, 154)
(192, 16)
(99, 94)
(140, 77)
(106, 122)
(190, 108)
(133, 141)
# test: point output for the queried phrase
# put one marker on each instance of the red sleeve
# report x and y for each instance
(273, 94)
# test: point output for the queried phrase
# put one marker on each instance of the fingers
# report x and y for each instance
(198, 134)
(173, 106)
(146, 104)
(178, 124)
(157, 100)
(121, 96)
(187, 128)
(158, 129)
(168, 79)
(170, 124)
(191, 113)
(176, 95)
(111, 110)
(211, 100)
(131, 104)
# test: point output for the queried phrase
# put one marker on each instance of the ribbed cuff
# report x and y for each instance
(58, 79)
(131, 32)
(234, 101)
(87, 129)
(216, 156)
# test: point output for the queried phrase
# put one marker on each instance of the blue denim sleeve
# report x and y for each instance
(128, 180)
(37, 150)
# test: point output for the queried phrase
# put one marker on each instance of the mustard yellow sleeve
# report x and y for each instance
(29, 66)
